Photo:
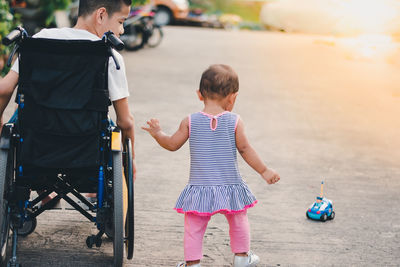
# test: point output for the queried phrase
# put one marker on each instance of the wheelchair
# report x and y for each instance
(64, 142)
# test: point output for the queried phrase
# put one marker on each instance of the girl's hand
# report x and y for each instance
(154, 127)
(270, 176)
(169, 142)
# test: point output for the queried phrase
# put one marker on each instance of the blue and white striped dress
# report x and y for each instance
(215, 184)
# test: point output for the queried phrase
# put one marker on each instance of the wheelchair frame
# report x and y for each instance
(18, 213)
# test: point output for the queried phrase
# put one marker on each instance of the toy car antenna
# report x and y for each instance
(322, 191)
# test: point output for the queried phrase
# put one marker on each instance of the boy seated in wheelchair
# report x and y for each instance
(94, 19)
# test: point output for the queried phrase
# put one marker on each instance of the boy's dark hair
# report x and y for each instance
(218, 81)
(86, 7)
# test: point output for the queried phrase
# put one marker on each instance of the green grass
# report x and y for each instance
(247, 10)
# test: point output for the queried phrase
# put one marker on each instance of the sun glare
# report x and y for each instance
(370, 16)
(370, 46)
(374, 44)
(337, 17)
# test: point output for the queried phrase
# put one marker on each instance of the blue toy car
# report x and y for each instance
(322, 209)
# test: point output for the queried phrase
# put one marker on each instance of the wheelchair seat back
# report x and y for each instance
(62, 104)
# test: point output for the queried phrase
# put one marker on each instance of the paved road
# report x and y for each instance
(313, 109)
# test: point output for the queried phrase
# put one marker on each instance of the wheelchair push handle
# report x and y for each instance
(114, 41)
(14, 36)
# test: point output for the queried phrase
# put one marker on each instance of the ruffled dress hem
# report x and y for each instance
(211, 199)
(222, 211)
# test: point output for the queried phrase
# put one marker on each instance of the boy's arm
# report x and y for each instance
(173, 142)
(126, 123)
(251, 157)
(7, 86)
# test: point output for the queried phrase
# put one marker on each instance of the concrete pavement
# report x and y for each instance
(312, 109)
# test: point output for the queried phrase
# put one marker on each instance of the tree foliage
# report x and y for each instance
(49, 6)
(7, 23)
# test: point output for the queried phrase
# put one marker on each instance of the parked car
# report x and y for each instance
(169, 11)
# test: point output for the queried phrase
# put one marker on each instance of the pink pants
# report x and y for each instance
(195, 227)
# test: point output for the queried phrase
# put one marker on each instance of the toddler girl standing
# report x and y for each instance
(215, 184)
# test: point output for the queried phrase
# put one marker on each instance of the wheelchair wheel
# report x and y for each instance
(4, 214)
(129, 221)
(118, 213)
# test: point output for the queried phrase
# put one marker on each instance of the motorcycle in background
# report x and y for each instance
(140, 29)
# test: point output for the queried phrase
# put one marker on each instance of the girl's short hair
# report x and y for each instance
(87, 7)
(218, 81)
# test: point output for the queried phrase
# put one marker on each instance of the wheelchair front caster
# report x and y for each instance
(94, 240)
(98, 242)
(90, 241)
(28, 227)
